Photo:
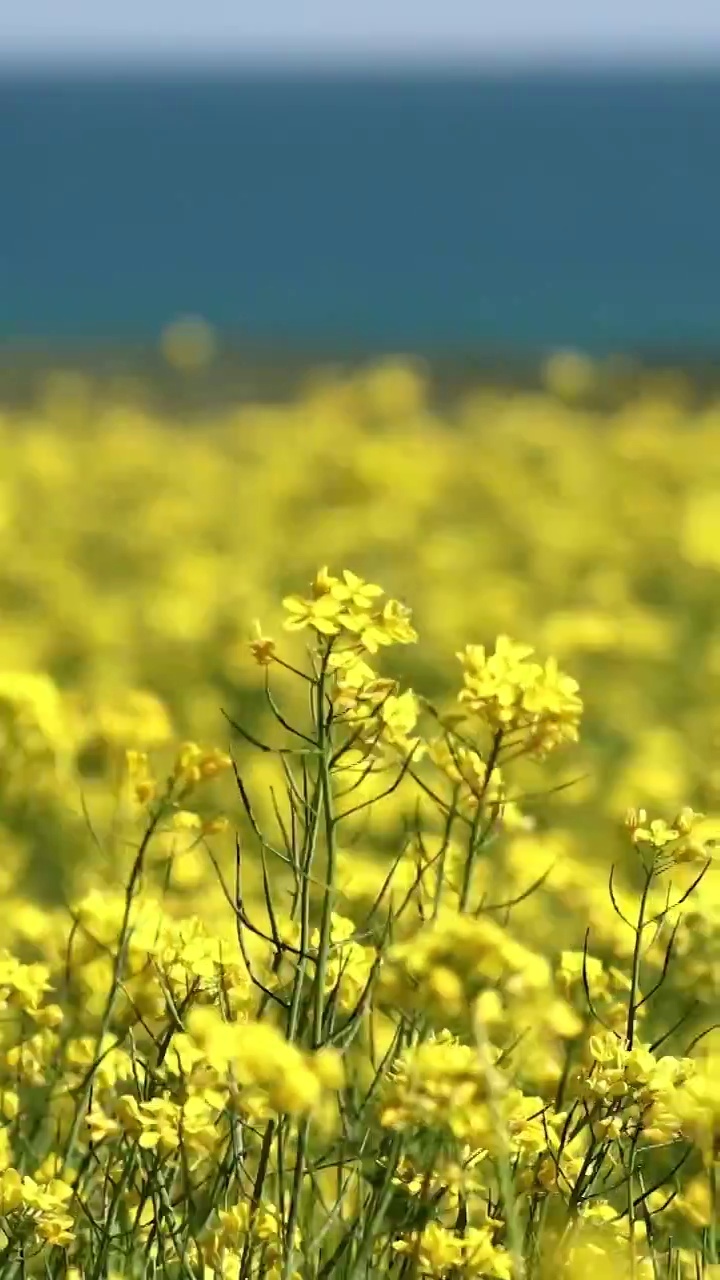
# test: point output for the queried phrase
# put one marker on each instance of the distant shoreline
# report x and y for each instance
(244, 372)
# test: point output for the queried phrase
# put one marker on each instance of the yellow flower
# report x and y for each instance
(658, 834)
(9, 1104)
(100, 1125)
(369, 628)
(438, 1250)
(512, 693)
(324, 582)
(396, 622)
(263, 648)
(11, 1191)
(354, 591)
(328, 1067)
(186, 820)
(352, 672)
(143, 785)
(321, 614)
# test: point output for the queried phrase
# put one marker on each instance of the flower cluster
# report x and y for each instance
(380, 719)
(449, 1088)
(34, 1214)
(224, 1245)
(350, 963)
(697, 1104)
(450, 960)
(629, 1087)
(514, 695)
(441, 1253)
(350, 607)
(687, 839)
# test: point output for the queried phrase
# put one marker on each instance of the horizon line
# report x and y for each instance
(94, 64)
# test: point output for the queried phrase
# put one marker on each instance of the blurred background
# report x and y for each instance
(456, 179)
(427, 290)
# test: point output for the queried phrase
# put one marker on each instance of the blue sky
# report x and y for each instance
(335, 30)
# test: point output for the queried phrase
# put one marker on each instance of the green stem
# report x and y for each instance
(637, 954)
(326, 801)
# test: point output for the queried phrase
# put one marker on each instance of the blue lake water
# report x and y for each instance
(412, 212)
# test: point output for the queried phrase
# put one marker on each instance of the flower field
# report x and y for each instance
(360, 818)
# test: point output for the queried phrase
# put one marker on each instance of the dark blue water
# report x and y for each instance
(416, 212)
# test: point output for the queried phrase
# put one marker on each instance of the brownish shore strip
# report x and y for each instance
(242, 372)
